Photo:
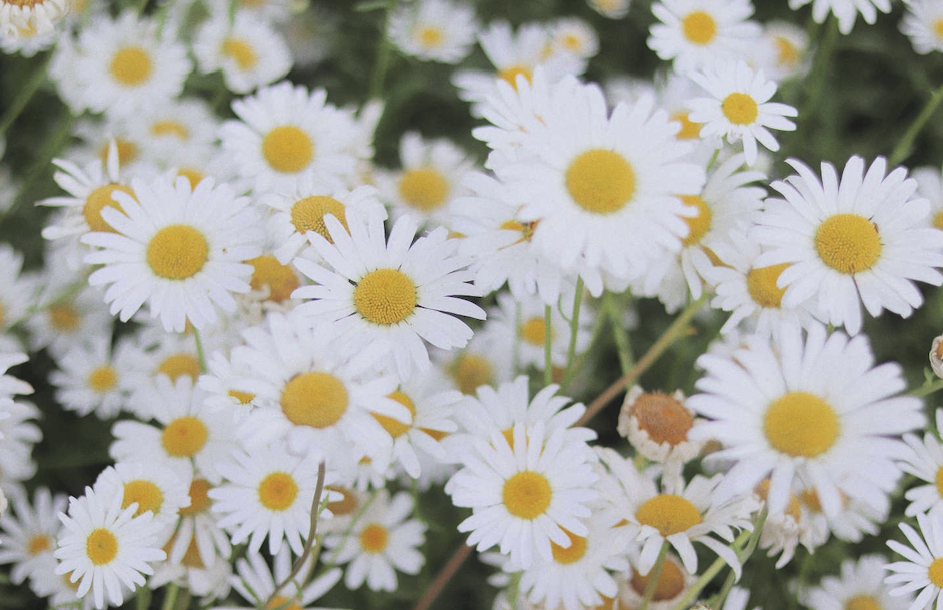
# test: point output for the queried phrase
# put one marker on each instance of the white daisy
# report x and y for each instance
(181, 251)
(434, 30)
(92, 378)
(27, 41)
(613, 9)
(37, 16)
(477, 365)
(186, 126)
(18, 289)
(106, 546)
(784, 52)
(575, 36)
(382, 541)
(256, 583)
(198, 542)
(925, 461)
(29, 531)
(392, 294)
(784, 530)
(162, 492)
(739, 106)
(930, 185)
(70, 314)
(845, 10)
(657, 425)
(858, 585)
(673, 582)
(812, 409)
(923, 568)
(923, 24)
(862, 239)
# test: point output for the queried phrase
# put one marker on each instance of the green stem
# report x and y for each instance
(653, 575)
(170, 597)
(516, 346)
(384, 54)
(820, 67)
(199, 349)
(184, 602)
(581, 361)
(623, 346)
(574, 326)
(904, 146)
(25, 94)
(332, 560)
(142, 599)
(927, 388)
(548, 340)
(744, 556)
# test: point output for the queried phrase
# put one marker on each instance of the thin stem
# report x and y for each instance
(516, 346)
(444, 576)
(927, 388)
(820, 67)
(25, 94)
(623, 346)
(384, 53)
(574, 326)
(170, 597)
(710, 573)
(653, 575)
(578, 366)
(751, 546)
(309, 543)
(199, 349)
(184, 602)
(904, 146)
(548, 342)
(143, 598)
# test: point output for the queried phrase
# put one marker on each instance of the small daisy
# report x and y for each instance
(181, 251)
(739, 107)
(812, 409)
(930, 185)
(105, 546)
(93, 379)
(784, 52)
(30, 531)
(386, 293)
(613, 9)
(198, 542)
(186, 126)
(434, 30)
(65, 322)
(575, 36)
(527, 494)
(37, 16)
(27, 41)
(925, 461)
(160, 491)
(250, 53)
(858, 585)
(477, 365)
(923, 568)
(256, 583)
(861, 239)
(382, 541)
(923, 24)
(657, 425)
(695, 33)
(845, 10)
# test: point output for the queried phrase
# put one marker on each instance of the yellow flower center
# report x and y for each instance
(170, 128)
(761, 284)
(97, 201)
(308, 215)
(374, 538)
(669, 514)
(670, 582)
(699, 27)
(862, 602)
(533, 331)
(939, 481)
(689, 129)
(740, 108)
(280, 602)
(938, 220)
(240, 51)
(191, 557)
(810, 499)
(935, 572)
(786, 53)
(572, 553)
(194, 177)
(698, 225)
(244, 398)
(184, 436)
(199, 498)
(510, 74)
(469, 372)
(278, 491)
(394, 427)
(177, 252)
(938, 28)
(793, 507)
(430, 36)
(127, 152)
(600, 181)
(148, 496)
(848, 243)
(38, 544)
(314, 399)
(662, 418)
(180, 364)
(287, 149)
(131, 66)
(385, 296)
(527, 494)
(64, 317)
(347, 505)
(280, 279)
(800, 424)
(101, 546)
(425, 189)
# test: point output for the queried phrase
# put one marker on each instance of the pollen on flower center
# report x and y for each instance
(469, 372)
(314, 399)
(600, 181)
(862, 602)
(280, 279)
(699, 27)
(430, 36)
(533, 331)
(287, 149)
(669, 514)
(670, 582)
(278, 491)
(689, 129)
(849, 243)
(347, 505)
(180, 364)
(572, 553)
(199, 497)
(761, 284)
(184, 436)
(424, 189)
(308, 215)
(394, 427)
(385, 296)
(131, 66)
(699, 224)
(740, 108)
(935, 572)
(527, 494)
(374, 538)
(97, 201)
(64, 317)
(241, 52)
(147, 495)
(801, 424)
(662, 417)
(101, 546)
(38, 544)
(510, 74)
(177, 252)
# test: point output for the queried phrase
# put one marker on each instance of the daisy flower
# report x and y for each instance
(198, 542)
(285, 131)
(391, 294)
(525, 494)
(673, 582)
(925, 461)
(18, 288)
(846, 11)
(27, 41)
(923, 568)
(783, 531)
(92, 379)
(30, 531)
(477, 365)
(657, 425)
(429, 182)
(859, 584)
(382, 541)
(105, 546)
(613, 9)
(186, 126)
(862, 239)
(739, 106)
(784, 52)
(434, 30)
(19, 434)
(249, 52)
(923, 24)
(267, 494)
(69, 314)
(37, 16)
(123, 65)
(930, 185)
(575, 36)
(179, 250)
(810, 409)
(694, 33)
(160, 491)
(256, 582)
